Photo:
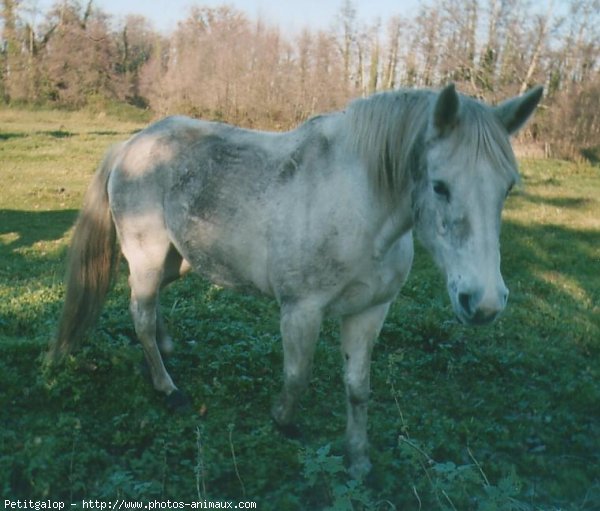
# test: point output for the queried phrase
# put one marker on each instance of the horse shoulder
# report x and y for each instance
(377, 280)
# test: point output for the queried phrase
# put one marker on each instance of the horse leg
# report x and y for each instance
(164, 339)
(300, 326)
(358, 335)
(174, 267)
(146, 255)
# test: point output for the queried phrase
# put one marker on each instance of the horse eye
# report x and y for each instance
(441, 189)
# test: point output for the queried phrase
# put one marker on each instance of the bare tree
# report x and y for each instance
(374, 61)
(486, 74)
(539, 40)
(429, 24)
(220, 64)
(78, 55)
(393, 54)
(134, 47)
(347, 22)
(10, 77)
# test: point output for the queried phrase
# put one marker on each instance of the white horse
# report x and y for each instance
(320, 218)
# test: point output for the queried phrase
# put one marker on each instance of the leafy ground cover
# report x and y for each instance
(496, 418)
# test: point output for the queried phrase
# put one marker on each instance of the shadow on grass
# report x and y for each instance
(58, 133)
(8, 136)
(592, 154)
(26, 228)
(557, 202)
(529, 252)
(61, 133)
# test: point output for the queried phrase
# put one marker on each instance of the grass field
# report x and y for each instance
(496, 418)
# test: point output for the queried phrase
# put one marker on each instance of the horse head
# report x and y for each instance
(465, 173)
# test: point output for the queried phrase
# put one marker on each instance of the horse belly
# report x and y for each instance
(215, 211)
(229, 256)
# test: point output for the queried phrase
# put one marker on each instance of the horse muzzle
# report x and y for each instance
(474, 307)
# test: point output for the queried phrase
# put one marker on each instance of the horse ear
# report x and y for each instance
(445, 112)
(513, 113)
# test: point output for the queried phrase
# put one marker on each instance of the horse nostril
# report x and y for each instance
(475, 308)
(465, 302)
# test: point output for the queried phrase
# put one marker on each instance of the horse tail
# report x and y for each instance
(91, 265)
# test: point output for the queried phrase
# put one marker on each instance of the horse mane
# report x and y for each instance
(488, 136)
(384, 130)
(388, 131)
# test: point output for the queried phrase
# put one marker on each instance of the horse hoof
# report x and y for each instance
(290, 431)
(360, 469)
(166, 346)
(178, 402)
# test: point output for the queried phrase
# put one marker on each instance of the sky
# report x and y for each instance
(287, 14)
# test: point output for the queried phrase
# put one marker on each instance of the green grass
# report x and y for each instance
(496, 418)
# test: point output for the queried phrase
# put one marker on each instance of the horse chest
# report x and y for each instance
(378, 282)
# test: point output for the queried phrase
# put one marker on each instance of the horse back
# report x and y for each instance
(285, 213)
